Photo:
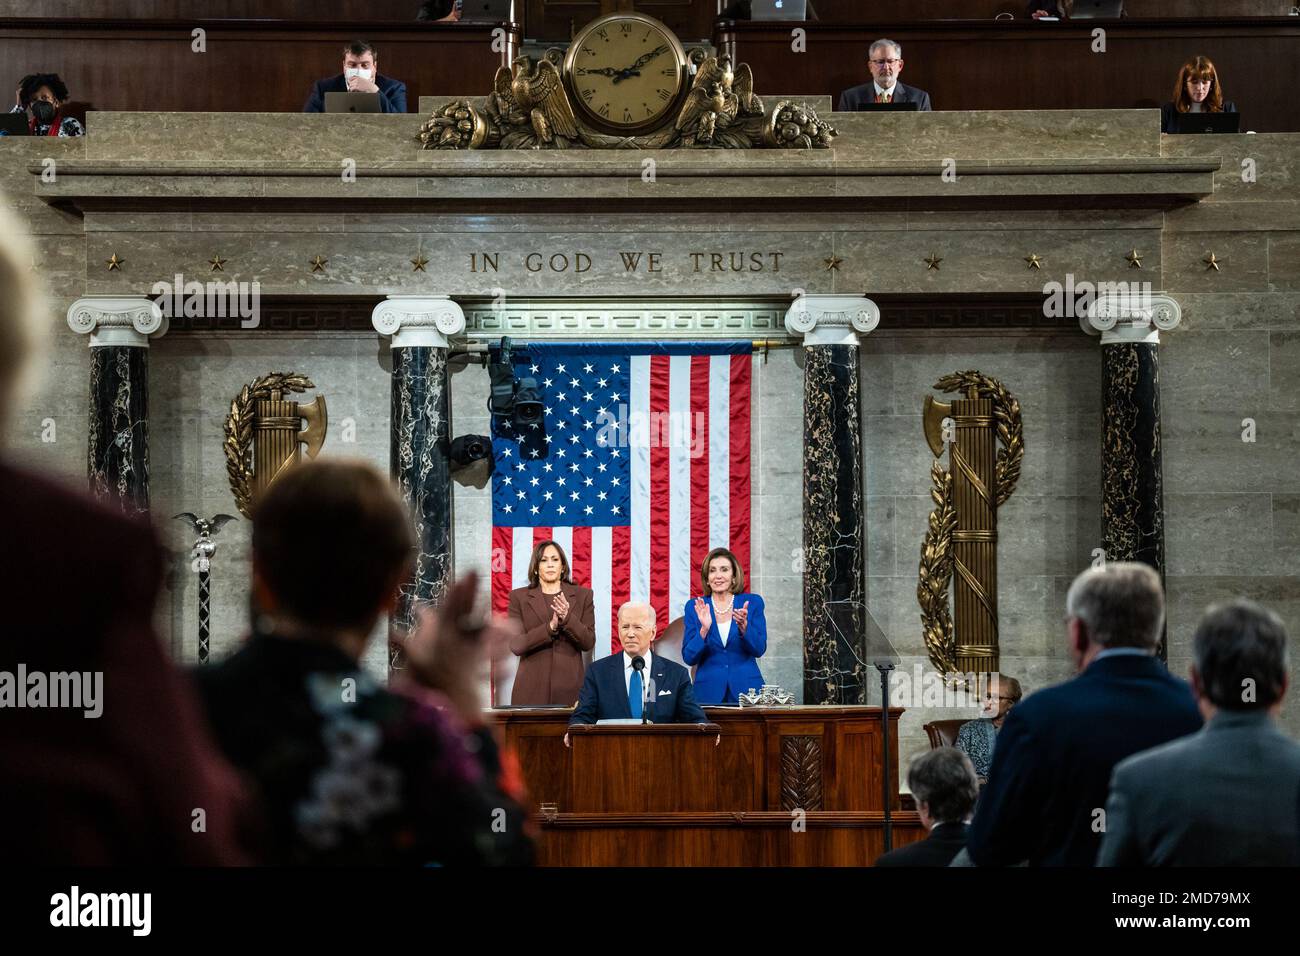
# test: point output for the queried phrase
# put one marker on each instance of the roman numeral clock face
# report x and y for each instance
(626, 73)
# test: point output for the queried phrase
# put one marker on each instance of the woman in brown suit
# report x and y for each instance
(556, 624)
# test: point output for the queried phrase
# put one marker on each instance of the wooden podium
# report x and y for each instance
(760, 786)
(644, 768)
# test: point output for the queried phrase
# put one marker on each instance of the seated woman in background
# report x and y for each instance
(724, 633)
(1197, 91)
(976, 737)
(46, 94)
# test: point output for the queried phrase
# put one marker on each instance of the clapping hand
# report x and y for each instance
(741, 616)
(702, 612)
(449, 648)
(560, 608)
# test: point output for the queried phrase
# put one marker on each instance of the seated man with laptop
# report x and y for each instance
(360, 88)
(885, 58)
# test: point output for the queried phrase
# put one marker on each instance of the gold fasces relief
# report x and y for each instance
(262, 432)
(628, 75)
(961, 537)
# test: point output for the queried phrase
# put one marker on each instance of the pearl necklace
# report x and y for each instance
(725, 610)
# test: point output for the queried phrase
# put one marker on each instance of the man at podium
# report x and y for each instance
(637, 684)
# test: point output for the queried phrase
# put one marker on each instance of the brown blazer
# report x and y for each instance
(550, 668)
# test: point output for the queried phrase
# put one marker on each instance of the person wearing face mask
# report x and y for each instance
(360, 75)
(724, 633)
(1196, 91)
(557, 623)
(45, 95)
(885, 59)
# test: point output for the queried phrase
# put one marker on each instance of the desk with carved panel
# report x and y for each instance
(769, 763)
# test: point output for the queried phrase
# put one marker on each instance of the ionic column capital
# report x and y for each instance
(117, 320)
(1131, 319)
(418, 321)
(831, 319)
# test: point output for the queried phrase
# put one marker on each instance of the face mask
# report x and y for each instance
(43, 111)
(364, 74)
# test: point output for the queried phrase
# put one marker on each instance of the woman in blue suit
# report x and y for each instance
(725, 633)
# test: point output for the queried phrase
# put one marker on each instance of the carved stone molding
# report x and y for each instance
(1131, 320)
(624, 319)
(831, 319)
(418, 321)
(117, 320)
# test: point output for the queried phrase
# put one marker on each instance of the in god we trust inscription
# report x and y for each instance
(634, 261)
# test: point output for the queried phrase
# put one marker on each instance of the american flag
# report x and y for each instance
(640, 466)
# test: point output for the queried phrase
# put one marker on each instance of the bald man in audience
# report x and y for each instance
(615, 687)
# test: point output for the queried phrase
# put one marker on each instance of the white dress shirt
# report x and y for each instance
(891, 92)
(724, 630)
(627, 672)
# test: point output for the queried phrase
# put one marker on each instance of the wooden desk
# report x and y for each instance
(785, 786)
(1023, 65)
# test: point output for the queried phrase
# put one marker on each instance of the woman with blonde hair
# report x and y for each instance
(724, 633)
(1197, 90)
(557, 623)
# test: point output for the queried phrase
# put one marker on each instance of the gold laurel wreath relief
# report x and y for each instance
(935, 573)
(238, 445)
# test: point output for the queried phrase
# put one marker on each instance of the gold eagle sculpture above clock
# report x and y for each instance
(625, 82)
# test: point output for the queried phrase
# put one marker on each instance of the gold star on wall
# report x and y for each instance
(1134, 259)
(933, 262)
(1212, 262)
(114, 263)
(318, 264)
(216, 263)
(419, 262)
(1035, 261)
(832, 263)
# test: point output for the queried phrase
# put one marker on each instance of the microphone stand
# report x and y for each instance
(648, 701)
(885, 667)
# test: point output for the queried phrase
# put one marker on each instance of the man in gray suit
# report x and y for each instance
(1228, 795)
(885, 58)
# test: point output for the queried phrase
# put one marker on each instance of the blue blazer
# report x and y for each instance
(723, 672)
(604, 694)
(392, 93)
(1053, 761)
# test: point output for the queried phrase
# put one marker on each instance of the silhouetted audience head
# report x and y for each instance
(22, 308)
(1239, 656)
(1117, 605)
(944, 785)
(332, 543)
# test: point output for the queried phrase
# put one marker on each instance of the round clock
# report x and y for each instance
(627, 73)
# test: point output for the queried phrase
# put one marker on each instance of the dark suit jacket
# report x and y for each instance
(1051, 768)
(392, 93)
(944, 842)
(854, 99)
(120, 788)
(550, 668)
(604, 694)
(1167, 114)
(1227, 796)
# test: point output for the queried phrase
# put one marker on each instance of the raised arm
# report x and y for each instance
(580, 628)
(694, 646)
(754, 638)
(526, 641)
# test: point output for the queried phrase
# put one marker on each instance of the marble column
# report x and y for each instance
(120, 328)
(421, 435)
(834, 613)
(1132, 493)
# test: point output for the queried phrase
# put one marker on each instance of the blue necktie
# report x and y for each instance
(634, 694)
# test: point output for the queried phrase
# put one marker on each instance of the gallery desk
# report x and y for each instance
(797, 786)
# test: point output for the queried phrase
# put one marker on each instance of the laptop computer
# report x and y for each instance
(14, 124)
(352, 102)
(1098, 10)
(486, 11)
(778, 10)
(888, 107)
(1207, 123)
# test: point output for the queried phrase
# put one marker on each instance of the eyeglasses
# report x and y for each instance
(885, 62)
(991, 697)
